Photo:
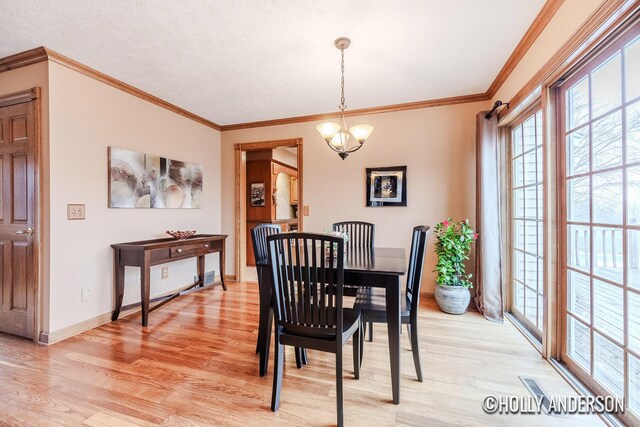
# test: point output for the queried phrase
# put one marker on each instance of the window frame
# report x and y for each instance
(559, 91)
(523, 321)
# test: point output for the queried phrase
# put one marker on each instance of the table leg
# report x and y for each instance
(145, 285)
(118, 277)
(222, 262)
(393, 325)
(201, 270)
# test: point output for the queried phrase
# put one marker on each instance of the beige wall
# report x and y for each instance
(567, 20)
(86, 117)
(437, 145)
(15, 81)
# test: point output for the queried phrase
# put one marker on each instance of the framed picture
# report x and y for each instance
(257, 194)
(138, 180)
(387, 186)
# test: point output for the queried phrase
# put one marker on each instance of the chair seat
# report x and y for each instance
(350, 322)
(372, 301)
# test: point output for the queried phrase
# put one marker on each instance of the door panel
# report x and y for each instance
(17, 207)
(19, 190)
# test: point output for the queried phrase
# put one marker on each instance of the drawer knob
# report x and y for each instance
(206, 245)
(179, 250)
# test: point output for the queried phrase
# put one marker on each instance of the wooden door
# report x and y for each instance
(17, 223)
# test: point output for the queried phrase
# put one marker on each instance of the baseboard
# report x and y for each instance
(230, 278)
(69, 331)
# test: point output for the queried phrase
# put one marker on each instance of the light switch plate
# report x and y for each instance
(75, 212)
(305, 210)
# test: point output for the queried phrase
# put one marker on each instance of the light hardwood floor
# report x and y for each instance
(196, 364)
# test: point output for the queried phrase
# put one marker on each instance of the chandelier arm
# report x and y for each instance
(355, 148)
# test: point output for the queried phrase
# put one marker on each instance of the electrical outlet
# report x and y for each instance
(164, 273)
(75, 211)
(86, 294)
(305, 210)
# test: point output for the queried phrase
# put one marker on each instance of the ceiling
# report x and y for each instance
(235, 61)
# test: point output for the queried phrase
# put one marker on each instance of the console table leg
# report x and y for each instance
(145, 285)
(118, 276)
(201, 271)
(224, 286)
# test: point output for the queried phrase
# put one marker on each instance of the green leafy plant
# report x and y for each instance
(453, 247)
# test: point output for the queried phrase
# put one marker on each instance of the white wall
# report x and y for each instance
(86, 117)
(437, 145)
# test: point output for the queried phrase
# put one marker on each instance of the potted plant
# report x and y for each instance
(453, 247)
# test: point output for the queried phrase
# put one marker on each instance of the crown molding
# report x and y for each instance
(547, 12)
(363, 111)
(23, 59)
(609, 16)
(41, 54)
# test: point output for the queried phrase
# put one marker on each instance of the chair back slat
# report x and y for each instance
(416, 264)
(259, 235)
(307, 282)
(361, 234)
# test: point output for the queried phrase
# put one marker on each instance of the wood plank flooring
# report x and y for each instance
(195, 364)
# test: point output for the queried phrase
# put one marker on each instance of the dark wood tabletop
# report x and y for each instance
(376, 260)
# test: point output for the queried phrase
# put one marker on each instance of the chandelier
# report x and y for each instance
(337, 135)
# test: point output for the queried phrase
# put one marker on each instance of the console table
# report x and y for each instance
(146, 253)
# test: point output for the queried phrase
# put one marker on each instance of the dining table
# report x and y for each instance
(381, 268)
(377, 267)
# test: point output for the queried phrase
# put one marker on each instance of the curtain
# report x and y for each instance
(488, 281)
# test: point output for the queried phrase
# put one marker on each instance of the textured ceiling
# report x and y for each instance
(234, 61)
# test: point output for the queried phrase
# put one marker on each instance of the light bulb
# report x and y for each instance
(340, 140)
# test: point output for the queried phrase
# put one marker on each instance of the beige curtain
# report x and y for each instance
(488, 281)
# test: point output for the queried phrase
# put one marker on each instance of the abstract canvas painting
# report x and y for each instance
(140, 180)
(128, 186)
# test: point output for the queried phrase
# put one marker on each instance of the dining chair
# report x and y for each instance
(361, 234)
(303, 267)
(259, 235)
(361, 237)
(371, 302)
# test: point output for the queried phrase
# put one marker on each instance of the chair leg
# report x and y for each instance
(298, 351)
(303, 353)
(266, 344)
(278, 366)
(361, 333)
(357, 350)
(339, 394)
(413, 334)
(370, 331)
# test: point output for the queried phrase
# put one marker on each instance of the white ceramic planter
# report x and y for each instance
(453, 299)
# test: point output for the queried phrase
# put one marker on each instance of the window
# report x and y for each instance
(527, 244)
(599, 126)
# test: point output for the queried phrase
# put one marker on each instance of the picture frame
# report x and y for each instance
(386, 186)
(257, 197)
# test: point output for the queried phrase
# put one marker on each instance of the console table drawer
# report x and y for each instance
(190, 250)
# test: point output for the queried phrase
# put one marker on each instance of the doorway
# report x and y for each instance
(268, 190)
(19, 213)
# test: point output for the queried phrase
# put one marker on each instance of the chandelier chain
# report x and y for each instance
(342, 106)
